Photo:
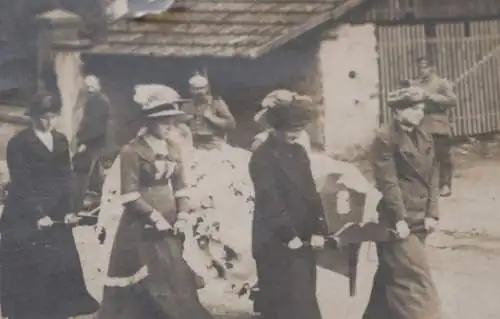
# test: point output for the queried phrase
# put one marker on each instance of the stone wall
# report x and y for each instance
(350, 76)
(241, 82)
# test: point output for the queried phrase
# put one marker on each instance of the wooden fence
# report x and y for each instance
(467, 55)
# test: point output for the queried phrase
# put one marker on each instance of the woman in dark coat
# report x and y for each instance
(288, 221)
(405, 175)
(41, 271)
(147, 275)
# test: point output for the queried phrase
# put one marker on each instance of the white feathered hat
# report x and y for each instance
(158, 100)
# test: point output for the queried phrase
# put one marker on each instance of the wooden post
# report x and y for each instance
(59, 63)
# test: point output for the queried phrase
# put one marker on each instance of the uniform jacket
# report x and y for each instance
(440, 99)
(144, 190)
(287, 203)
(222, 122)
(405, 175)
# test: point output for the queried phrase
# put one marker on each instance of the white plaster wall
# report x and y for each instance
(351, 104)
(69, 81)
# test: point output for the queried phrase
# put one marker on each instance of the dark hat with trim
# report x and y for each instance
(43, 103)
(405, 97)
(292, 115)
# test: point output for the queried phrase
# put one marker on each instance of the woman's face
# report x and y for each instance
(45, 122)
(162, 128)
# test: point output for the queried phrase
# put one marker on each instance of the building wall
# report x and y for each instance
(350, 77)
(242, 83)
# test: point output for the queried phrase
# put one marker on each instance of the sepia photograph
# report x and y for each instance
(249, 159)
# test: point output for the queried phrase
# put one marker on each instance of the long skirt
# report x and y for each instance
(44, 279)
(169, 290)
(403, 287)
(287, 282)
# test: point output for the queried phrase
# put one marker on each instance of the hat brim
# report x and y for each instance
(180, 115)
(405, 104)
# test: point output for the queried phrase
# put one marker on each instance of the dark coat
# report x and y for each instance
(286, 205)
(406, 177)
(41, 270)
(168, 287)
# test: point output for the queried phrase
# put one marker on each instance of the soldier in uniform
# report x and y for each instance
(148, 276)
(439, 99)
(405, 174)
(212, 118)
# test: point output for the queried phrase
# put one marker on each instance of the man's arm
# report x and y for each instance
(433, 203)
(446, 96)
(181, 188)
(262, 174)
(222, 116)
(386, 178)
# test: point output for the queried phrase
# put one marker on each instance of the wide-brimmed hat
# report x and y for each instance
(160, 101)
(292, 115)
(405, 97)
(43, 103)
(276, 97)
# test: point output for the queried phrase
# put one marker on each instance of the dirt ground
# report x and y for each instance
(464, 253)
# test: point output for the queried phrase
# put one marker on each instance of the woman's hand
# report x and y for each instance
(160, 222)
(71, 219)
(295, 243)
(44, 223)
(402, 229)
(318, 242)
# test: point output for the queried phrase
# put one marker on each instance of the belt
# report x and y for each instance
(121, 282)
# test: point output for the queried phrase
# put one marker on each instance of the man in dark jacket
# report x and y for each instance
(405, 174)
(92, 139)
(439, 99)
(288, 221)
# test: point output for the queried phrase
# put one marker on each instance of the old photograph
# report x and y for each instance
(249, 159)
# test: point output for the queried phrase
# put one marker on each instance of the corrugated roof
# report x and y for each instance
(221, 28)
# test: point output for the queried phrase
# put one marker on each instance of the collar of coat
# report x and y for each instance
(420, 156)
(33, 142)
(145, 151)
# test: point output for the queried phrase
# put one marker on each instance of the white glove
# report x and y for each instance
(160, 222)
(318, 242)
(295, 243)
(430, 224)
(402, 229)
